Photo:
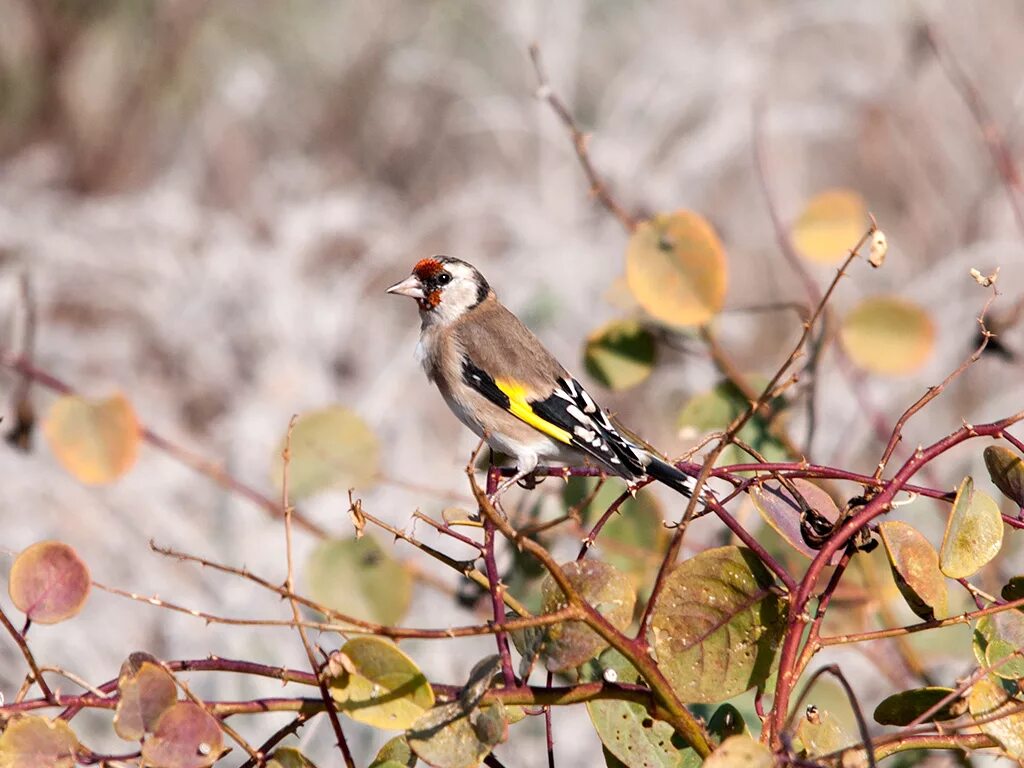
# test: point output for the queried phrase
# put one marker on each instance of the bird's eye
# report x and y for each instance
(444, 278)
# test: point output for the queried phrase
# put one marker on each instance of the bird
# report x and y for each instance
(500, 381)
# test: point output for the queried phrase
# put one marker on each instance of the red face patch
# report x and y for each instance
(427, 268)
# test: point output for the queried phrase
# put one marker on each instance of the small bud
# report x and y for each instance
(879, 247)
(985, 281)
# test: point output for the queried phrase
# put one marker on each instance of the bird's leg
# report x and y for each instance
(523, 473)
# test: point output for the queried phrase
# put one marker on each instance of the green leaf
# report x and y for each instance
(888, 335)
(717, 624)
(830, 225)
(330, 448)
(714, 410)
(1013, 589)
(1006, 469)
(147, 691)
(97, 441)
(782, 512)
(999, 643)
(820, 733)
(727, 721)
(48, 582)
(397, 752)
(37, 742)
(915, 567)
(906, 706)
(448, 736)
(359, 578)
(570, 643)
(185, 736)
(620, 355)
(988, 701)
(634, 538)
(626, 729)
(974, 532)
(379, 685)
(289, 757)
(676, 269)
(740, 752)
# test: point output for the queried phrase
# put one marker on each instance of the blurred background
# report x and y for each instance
(209, 199)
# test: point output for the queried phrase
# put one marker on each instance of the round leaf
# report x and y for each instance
(915, 567)
(999, 643)
(1006, 469)
(380, 685)
(570, 643)
(888, 335)
(359, 578)
(974, 532)
(782, 512)
(627, 730)
(715, 410)
(620, 355)
(146, 693)
(397, 752)
(49, 582)
(37, 742)
(97, 441)
(988, 701)
(675, 267)
(717, 625)
(906, 706)
(450, 737)
(740, 752)
(820, 733)
(633, 539)
(289, 757)
(830, 225)
(330, 448)
(185, 736)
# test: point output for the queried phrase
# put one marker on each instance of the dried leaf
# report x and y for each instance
(38, 742)
(97, 441)
(915, 567)
(185, 736)
(782, 512)
(146, 693)
(988, 701)
(49, 582)
(675, 267)
(830, 225)
(888, 335)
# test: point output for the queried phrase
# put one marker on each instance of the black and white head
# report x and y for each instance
(444, 288)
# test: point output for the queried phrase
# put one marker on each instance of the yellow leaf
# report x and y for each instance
(830, 225)
(675, 267)
(97, 441)
(888, 335)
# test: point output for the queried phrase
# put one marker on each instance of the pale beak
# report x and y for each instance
(411, 286)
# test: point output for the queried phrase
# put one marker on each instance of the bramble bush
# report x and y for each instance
(709, 659)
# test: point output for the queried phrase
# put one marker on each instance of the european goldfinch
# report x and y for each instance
(502, 383)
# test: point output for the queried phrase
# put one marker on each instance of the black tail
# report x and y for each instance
(670, 476)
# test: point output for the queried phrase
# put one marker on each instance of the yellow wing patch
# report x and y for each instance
(519, 406)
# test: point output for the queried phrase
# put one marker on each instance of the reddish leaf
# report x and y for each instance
(147, 691)
(49, 582)
(186, 736)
